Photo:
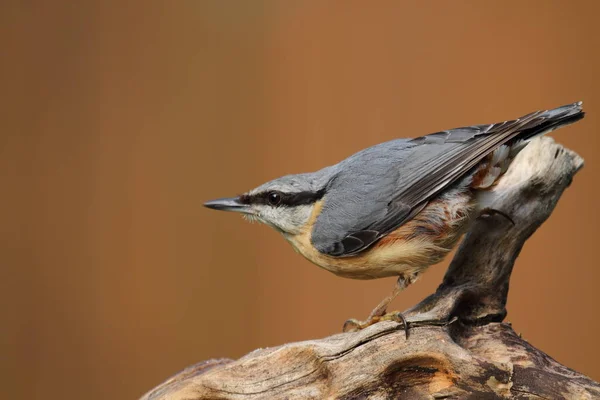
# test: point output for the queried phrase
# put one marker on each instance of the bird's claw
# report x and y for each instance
(397, 317)
(353, 325)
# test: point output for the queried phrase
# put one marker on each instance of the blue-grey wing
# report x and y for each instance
(380, 188)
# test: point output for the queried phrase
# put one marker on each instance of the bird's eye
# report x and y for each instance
(274, 198)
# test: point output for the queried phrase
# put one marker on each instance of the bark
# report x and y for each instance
(458, 348)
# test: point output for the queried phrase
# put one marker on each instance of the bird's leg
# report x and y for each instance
(379, 312)
(381, 308)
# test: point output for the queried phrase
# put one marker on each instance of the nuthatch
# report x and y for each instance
(398, 207)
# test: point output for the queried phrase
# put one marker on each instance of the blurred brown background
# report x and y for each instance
(119, 119)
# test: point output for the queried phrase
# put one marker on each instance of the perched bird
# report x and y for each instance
(398, 207)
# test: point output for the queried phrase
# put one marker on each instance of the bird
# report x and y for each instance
(398, 207)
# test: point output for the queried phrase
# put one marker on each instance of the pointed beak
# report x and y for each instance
(229, 204)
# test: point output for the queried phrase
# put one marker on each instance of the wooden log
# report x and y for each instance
(459, 348)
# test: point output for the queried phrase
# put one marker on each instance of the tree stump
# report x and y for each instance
(458, 347)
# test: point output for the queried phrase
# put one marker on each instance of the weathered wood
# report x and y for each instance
(458, 348)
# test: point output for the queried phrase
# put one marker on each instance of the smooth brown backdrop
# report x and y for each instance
(120, 118)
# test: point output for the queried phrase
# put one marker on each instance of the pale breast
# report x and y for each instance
(421, 242)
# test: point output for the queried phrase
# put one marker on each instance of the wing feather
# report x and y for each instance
(381, 188)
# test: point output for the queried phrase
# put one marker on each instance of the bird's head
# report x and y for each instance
(285, 203)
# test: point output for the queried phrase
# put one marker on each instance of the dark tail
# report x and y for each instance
(551, 120)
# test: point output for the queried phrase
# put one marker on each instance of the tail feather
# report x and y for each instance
(551, 120)
(543, 122)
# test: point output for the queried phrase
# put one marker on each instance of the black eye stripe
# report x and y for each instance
(287, 199)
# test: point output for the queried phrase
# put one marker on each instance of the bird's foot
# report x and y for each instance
(489, 212)
(379, 313)
(354, 325)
